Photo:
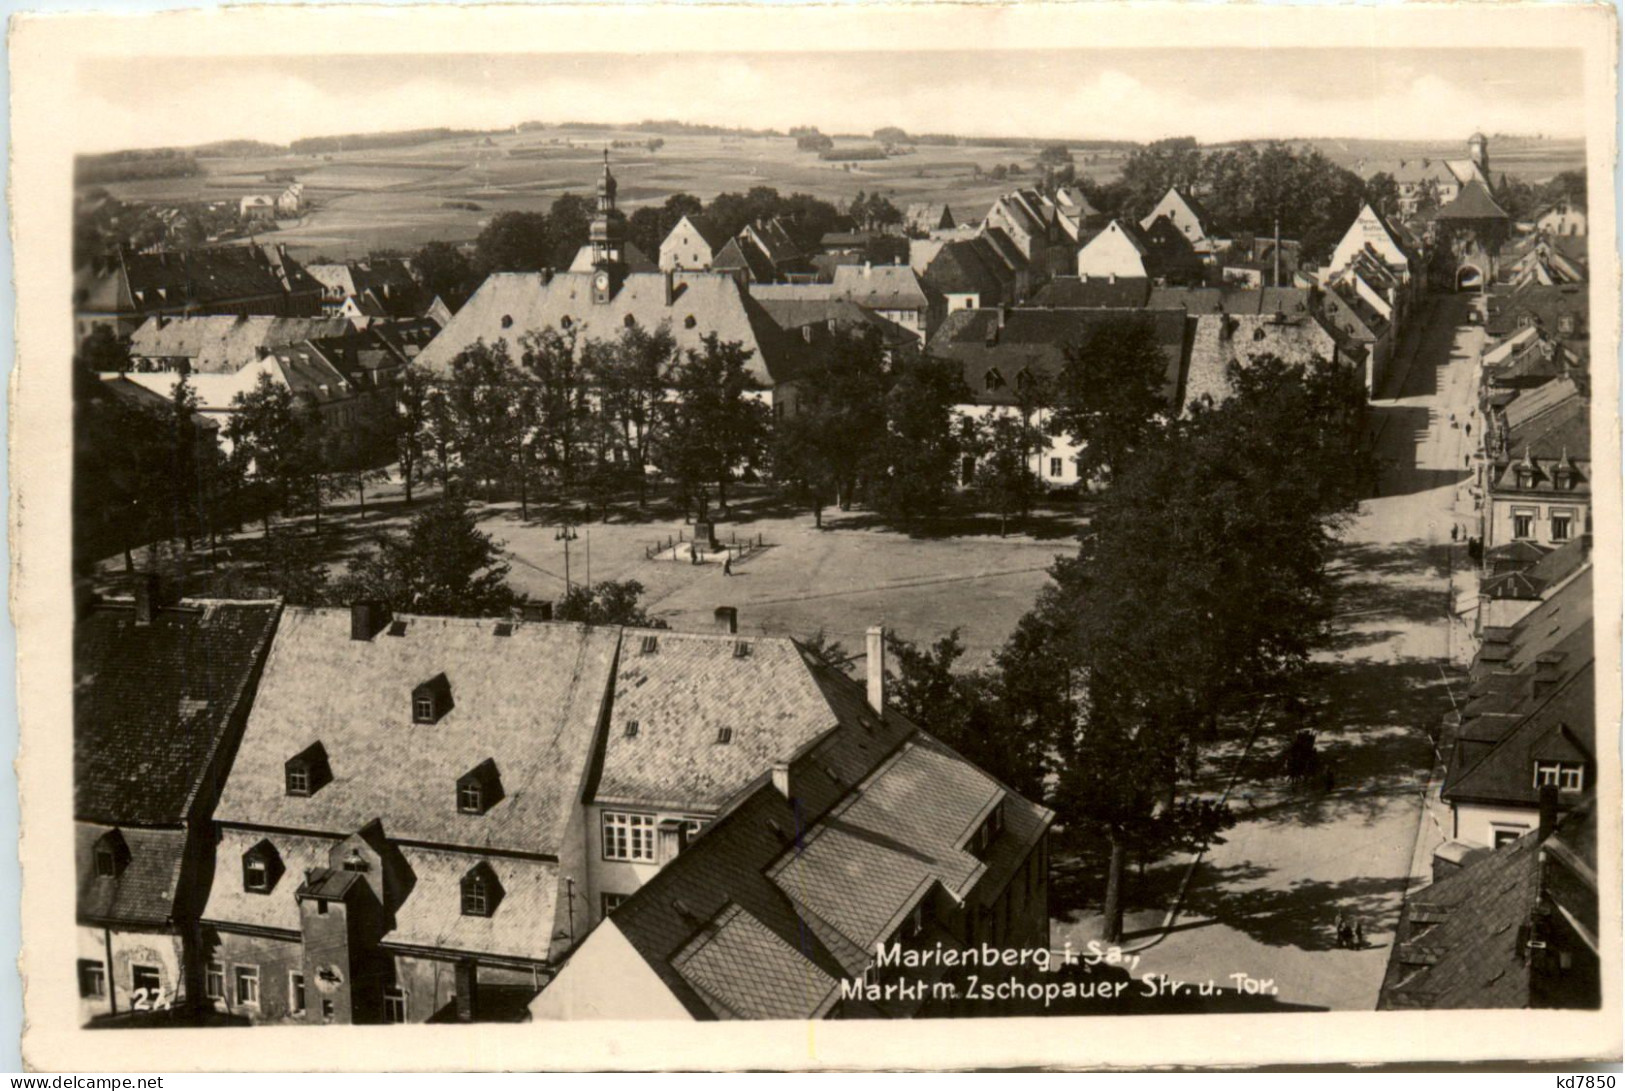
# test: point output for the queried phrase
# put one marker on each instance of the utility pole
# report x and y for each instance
(566, 534)
(1277, 250)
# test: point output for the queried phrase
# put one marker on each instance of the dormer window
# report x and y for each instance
(262, 867)
(993, 379)
(481, 891)
(1565, 324)
(507, 321)
(111, 854)
(431, 700)
(306, 772)
(479, 789)
(1565, 776)
(725, 735)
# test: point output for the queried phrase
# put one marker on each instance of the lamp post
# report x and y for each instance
(566, 534)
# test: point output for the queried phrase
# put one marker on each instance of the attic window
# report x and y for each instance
(651, 644)
(262, 867)
(689, 322)
(111, 854)
(725, 735)
(504, 628)
(629, 322)
(631, 729)
(565, 322)
(431, 700)
(397, 628)
(742, 650)
(481, 891)
(507, 321)
(993, 379)
(479, 789)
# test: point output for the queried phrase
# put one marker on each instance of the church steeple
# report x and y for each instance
(607, 234)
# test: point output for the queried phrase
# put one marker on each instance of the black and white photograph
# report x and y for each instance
(973, 528)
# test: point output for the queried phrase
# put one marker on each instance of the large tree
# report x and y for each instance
(837, 414)
(1005, 445)
(514, 242)
(1110, 398)
(444, 271)
(632, 375)
(487, 416)
(1199, 588)
(611, 602)
(275, 441)
(443, 565)
(713, 426)
(915, 459)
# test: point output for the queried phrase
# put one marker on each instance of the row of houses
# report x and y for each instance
(596, 821)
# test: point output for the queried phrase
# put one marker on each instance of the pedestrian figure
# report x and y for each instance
(728, 565)
(1455, 532)
(1359, 934)
(1469, 428)
(1344, 934)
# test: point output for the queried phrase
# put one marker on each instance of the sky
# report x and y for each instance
(1118, 94)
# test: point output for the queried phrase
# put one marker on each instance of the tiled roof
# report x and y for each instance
(961, 267)
(529, 701)
(171, 279)
(1234, 301)
(999, 245)
(742, 253)
(1472, 203)
(1457, 944)
(681, 693)
(1094, 292)
(1546, 304)
(793, 315)
(532, 301)
(221, 344)
(300, 371)
(726, 925)
(881, 287)
(156, 706)
(1561, 728)
(774, 241)
(1221, 341)
(709, 230)
(149, 882)
(1037, 340)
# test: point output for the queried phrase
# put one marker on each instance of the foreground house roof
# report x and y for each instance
(529, 701)
(157, 706)
(221, 344)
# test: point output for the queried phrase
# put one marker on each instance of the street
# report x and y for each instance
(1265, 902)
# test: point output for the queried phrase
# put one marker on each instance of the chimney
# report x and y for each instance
(1004, 315)
(781, 778)
(875, 663)
(367, 618)
(466, 981)
(727, 619)
(536, 611)
(671, 287)
(1548, 810)
(147, 590)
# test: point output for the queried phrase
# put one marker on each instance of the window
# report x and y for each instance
(296, 993)
(106, 860)
(1562, 526)
(469, 797)
(1055, 467)
(248, 985)
(610, 902)
(1523, 524)
(507, 321)
(298, 777)
(423, 709)
(92, 979)
(1565, 323)
(476, 896)
(355, 862)
(1506, 837)
(725, 735)
(256, 874)
(629, 836)
(214, 981)
(1565, 776)
(394, 1004)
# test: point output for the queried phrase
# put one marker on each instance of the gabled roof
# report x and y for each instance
(759, 917)
(1093, 292)
(221, 344)
(774, 240)
(529, 701)
(707, 229)
(686, 688)
(882, 287)
(1473, 203)
(534, 301)
(742, 254)
(1561, 728)
(966, 267)
(1037, 340)
(1457, 944)
(156, 705)
(306, 373)
(150, 884)
(1221, 341)
(797, 315)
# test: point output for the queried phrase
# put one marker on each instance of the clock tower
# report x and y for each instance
(607, 234)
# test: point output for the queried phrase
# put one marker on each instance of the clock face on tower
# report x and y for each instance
(601, 281)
